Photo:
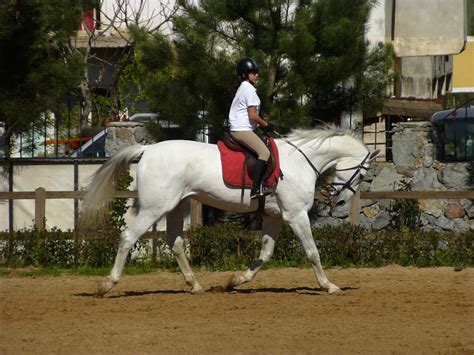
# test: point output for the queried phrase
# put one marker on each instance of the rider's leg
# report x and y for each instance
(260, 169)
(251, 140)
(270, 229)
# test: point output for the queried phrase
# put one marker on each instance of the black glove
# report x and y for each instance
(270, 127)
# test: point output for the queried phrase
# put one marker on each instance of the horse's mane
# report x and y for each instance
(323, 132)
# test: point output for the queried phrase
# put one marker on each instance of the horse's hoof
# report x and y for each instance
(333, 289)
(231, 282)
(104, 287)
(197, 290)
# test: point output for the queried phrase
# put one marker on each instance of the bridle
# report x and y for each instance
(329, 191)
(332, 193)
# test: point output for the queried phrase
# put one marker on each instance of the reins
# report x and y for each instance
(316, 171)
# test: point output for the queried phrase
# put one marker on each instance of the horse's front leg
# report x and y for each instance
(270, 229)
(302, 228)
(174, 230)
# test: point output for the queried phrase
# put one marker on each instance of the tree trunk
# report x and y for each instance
(115, 97)
(120, 66)
(8, 141)
(86, 106)
(272, 73)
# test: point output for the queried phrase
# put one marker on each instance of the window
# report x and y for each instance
(455, 134)
(470, 17)
(91, 20)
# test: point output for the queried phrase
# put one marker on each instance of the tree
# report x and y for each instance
(315, 62)
(124, 17)
(35, 69)
(330, 63)
(187, 80)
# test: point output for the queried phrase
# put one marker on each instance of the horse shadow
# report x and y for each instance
(312, 291)
(133, 293)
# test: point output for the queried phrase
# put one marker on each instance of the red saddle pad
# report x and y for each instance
(233, 163)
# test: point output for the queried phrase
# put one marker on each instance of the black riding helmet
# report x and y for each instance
(246, 66)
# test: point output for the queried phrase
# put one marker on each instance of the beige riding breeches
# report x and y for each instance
(252, 141)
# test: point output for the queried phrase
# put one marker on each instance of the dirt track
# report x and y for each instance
(391, 309)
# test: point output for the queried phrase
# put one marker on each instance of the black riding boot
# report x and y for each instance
(260, 169)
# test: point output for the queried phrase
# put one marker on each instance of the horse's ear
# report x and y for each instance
(374, 154)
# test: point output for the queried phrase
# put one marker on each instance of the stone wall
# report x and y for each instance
(124, 134)
(414, 168)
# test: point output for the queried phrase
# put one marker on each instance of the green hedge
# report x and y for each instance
(229, 246)
(55, 248)
(226, 246)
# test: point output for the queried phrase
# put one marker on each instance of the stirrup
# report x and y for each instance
(262, 192)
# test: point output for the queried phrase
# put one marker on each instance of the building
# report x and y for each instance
(463, 68)
(427, 36)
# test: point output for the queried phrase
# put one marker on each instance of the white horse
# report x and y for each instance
(171, 171)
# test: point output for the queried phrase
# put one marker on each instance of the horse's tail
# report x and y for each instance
(103, 182)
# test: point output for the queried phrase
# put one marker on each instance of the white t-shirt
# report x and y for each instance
(245, 96)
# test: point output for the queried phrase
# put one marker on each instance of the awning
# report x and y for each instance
(411, 108)
(73, 143)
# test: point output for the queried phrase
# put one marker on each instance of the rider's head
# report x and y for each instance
(246, 66)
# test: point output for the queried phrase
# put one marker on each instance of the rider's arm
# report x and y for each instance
(253, 115)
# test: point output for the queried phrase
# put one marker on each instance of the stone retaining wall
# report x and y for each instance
(414, 168)
(124, 134)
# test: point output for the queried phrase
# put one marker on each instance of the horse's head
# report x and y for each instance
(349, 172)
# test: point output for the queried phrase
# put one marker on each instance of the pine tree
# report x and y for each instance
(36, 70)
(314, 61)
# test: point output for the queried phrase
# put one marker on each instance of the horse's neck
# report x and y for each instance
(326, 153)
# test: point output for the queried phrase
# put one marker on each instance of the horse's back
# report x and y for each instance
(174, 170)
(178, 158)
(179, 150)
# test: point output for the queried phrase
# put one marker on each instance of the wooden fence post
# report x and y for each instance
(40, 208)
(196, 213)
(354, 209)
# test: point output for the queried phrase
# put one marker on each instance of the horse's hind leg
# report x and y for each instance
(270, 229)
(174, 231)
(128, 238)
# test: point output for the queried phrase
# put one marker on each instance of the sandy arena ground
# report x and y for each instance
(386, 310)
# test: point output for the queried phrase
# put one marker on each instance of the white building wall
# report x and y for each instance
(376, 30)
(151, 13)
(429, 27)
(425, 34)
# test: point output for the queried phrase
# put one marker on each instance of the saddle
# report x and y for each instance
(238, 163)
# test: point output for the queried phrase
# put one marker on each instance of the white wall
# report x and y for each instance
(376, 31)
(153, 12)
(59, 212)
(429, 27)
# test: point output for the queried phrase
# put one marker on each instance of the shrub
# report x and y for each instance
(222, 246)
(228, 246)
(57, 248)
